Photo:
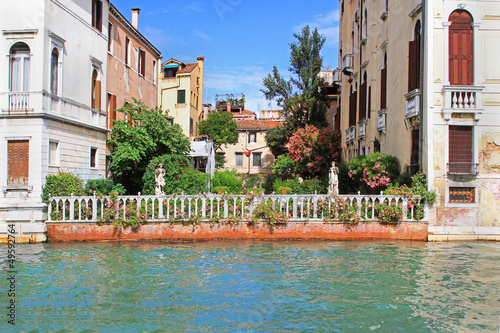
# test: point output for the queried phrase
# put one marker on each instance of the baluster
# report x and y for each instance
(94, 208)
(472, 100)
(454, 99)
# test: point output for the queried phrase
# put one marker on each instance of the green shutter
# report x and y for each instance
(181, 96)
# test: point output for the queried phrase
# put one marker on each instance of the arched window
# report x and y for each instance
(19, 67)
(461, 50)
(414, 60)
(54, 72)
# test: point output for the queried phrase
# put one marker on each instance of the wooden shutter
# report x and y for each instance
(383, 88)
(181, 96)
(352, 108)
(18, 163)
(112, 112)
(97, 104)
(460, 146)
(460, 49)
(369, 101)
(415, 143)
(99, 15)
(362, 102)
(413, 65)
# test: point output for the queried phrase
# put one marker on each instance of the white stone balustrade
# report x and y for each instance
(209, 207)
(350, 134)
(412, 103)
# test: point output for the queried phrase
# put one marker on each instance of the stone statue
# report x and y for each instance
(160, 180)
(333, 185)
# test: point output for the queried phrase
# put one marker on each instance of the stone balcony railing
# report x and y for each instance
(362, 129)
(211, 207)
(348, 64)
(381, 123)
(462, 168)
(412, 104)
(337, 76)
(350, 134)
(18, 101)
(462, 99)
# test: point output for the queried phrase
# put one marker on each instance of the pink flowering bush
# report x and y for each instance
(314, 150)
(373, 171)
(270, 212)
(389, 213)
(133, 218)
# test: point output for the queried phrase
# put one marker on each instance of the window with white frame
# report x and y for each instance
(110, 37)
(93, 157)
(127, 51)
(54, 72)
(257, 159)
(54, 156)
(239, 159)
(19, 67)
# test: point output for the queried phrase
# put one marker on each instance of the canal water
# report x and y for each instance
(251, 286)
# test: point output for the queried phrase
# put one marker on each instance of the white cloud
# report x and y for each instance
(160, 39)
(202, 35)
(327, 26)
(193, 7)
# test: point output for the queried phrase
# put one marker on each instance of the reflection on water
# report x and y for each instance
(252, 286)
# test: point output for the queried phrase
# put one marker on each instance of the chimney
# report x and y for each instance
(135, 17)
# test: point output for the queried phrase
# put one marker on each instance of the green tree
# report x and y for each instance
(147, 133)
(62, 184)
(277, 139)
(220, 127)
(301, 98)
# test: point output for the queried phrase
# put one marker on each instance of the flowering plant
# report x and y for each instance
(268, 211)
(374, 170)
(339, 209)
(389, 213)
(314, 150)
(134, 216)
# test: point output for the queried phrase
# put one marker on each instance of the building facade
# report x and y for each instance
(53, 116)
(133, 65)
(181, 93)
(419, 81)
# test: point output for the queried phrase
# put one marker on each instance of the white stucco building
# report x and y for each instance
(52, 116)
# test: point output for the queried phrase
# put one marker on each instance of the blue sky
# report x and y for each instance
(241, 40)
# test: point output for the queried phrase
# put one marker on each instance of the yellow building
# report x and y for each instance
(180, 91)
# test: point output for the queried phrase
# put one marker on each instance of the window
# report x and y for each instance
(18, 163)
(257, 159)
(239, 159)
(460, 150)
(110, 37)
(181, 96)
(414, 60)
(19, 67)
(96, 91)
(415, 146)
(97, 14)
(461, 50)
(127, 51)
(169, 72)
(191, 126)
(93, 157)
(54, 71)
(53, 153)
(141, 62)
(252, 137)
(154, 72)
(461, 195)
(383, 85)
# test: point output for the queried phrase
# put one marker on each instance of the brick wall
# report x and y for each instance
(261, 231)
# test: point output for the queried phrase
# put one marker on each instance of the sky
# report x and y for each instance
(241, 40)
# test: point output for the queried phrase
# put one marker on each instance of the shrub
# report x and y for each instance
(104, 187)
(252, 182)
(221, 190)
(312, 186)
(229, 179)
(346, 184)
(284, 166)
(180, 176)
(62, 184)
(373, 171)
(268, 183)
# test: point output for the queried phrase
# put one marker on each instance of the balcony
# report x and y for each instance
(412, 104)
(362, 129)
(381, 126)
(462, 168)
(462, 99)
(19, 101)
(350, 134)
(412, 169)
(337, 76)
(348, 64)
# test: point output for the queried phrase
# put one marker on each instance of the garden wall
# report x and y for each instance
(416, 231)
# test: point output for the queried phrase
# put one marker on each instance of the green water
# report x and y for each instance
(255, 287)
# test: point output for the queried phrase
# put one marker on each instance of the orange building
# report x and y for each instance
(133, 63)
